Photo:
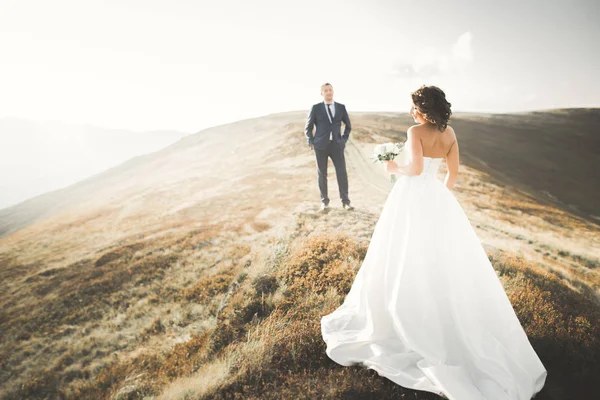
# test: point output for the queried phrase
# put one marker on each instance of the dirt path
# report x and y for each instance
(363, 168)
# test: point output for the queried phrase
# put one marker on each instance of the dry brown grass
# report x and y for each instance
(269, 333)
(322, 262)
(561, 323)
(209, 286)
(64, 325)
(266, 343)
(288, 360)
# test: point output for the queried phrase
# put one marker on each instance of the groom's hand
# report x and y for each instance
(311, 146)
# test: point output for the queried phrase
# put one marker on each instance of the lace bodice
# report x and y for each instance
(430, 167)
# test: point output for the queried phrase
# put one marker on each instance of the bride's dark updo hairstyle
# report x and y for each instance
(432, 105)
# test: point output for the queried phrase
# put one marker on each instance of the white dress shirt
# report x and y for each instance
(332, 107)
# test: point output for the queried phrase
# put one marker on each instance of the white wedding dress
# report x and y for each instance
(426, 309)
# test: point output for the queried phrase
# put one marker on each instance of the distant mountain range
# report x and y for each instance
(40, 156)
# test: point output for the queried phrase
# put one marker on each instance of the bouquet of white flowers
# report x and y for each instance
(390, 151)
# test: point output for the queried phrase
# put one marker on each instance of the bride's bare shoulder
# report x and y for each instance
(450, 131)
(420, 129)
(415, 130)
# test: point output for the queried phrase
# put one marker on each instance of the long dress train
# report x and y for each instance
(426, 309)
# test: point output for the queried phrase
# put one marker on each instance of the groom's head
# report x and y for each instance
(327, 91)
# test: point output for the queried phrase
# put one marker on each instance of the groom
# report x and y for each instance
(328, 141)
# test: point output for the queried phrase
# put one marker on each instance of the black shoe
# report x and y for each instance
(347, 206)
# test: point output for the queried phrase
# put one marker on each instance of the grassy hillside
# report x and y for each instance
(249, 328)
(202, 272)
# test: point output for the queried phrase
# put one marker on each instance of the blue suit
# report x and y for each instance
(325, 148)
(317, 117)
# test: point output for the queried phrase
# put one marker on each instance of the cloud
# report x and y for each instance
(462, 51)
(429, 61)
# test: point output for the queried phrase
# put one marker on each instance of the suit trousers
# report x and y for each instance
(336, 152)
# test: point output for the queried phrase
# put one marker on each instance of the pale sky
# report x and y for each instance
(188, 65)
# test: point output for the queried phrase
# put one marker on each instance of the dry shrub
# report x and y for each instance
(185, 358)
(260, 226)
(199, 238)
(562, 324)
(120, 253)
(121, 379)
(209, 286)
(265, 283)
(151, 372)
(244, 306)
(323, 261)
(237, 251)
(155, 328)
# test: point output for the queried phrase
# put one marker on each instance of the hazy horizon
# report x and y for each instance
(43, 156)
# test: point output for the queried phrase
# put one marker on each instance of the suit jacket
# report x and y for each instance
(318, 117)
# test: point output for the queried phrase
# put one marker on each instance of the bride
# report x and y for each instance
(426, 308)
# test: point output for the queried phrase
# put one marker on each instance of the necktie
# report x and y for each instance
(331, 116)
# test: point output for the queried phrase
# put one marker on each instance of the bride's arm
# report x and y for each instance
(415, 166)
(452, 160)
(408, 169)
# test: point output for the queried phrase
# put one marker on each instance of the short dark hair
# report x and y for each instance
(432, 104)
(326, 84)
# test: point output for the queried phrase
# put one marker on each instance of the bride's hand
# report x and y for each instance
(391, 166)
